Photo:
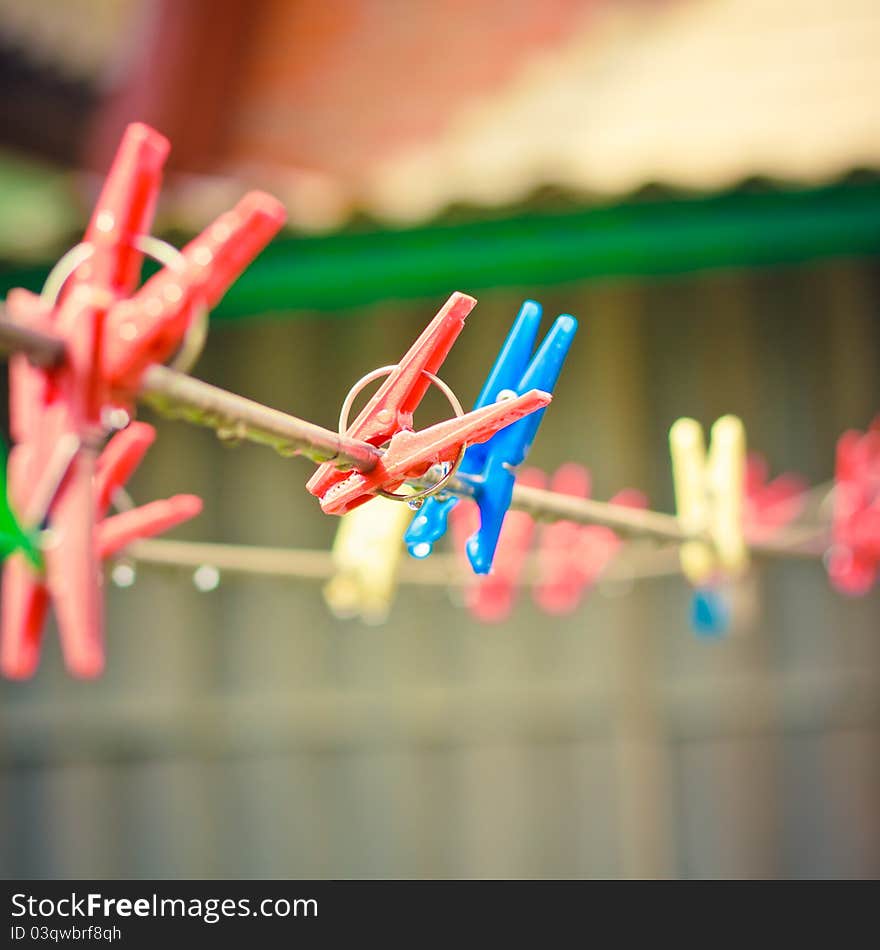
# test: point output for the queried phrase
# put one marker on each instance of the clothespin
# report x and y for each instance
(491, 467)
(25, 606)
(490, 598)
(854, 559)
(710, 500)
(770, 505)
(388, 417)
(367, 552)
(572, 557)
(709, 496)
(110, 339)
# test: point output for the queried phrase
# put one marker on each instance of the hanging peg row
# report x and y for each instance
(93, 342)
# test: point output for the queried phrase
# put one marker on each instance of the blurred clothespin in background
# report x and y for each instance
(491, 597)
(366, 554)
(770, 504)
(388, 417)
(572, 557)
(710, 503)
(854, 559)
(491, 467)
(61, 415)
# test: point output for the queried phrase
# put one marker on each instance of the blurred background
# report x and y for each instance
(697, 181)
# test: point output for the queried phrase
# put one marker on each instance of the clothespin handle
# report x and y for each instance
(115, 533)
(148, 327)
(709, 496)
(124, 211)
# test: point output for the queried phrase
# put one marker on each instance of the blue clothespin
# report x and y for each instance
(491, 467)
(710, 612)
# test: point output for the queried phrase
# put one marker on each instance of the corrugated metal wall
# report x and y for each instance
(246, 733)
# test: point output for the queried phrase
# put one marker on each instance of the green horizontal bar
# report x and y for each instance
(637, 239)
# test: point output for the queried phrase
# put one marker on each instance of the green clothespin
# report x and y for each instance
(13, 537)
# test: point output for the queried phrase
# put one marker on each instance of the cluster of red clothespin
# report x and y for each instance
(854, 560)
(569, 558)
(61, 416)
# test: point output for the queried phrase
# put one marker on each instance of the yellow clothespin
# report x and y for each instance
(709, 496)
(366, 553)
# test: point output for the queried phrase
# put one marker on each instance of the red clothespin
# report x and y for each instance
(148, 327)
(770, 505)
(854, 559)
(388, 417)
(116, 464)
(490, 597)
(110, 338)
(571, 557)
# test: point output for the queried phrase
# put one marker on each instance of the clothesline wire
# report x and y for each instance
(636, 562)
(233, 417)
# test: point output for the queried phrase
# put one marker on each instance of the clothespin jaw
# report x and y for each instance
(491, 467)
(387, 417)
(366, 553)
(854, 559)
(709, 496)
(26, 590)
(710, 612)
(123, 212)
(767, 507)
(116, 464)
(490, 598)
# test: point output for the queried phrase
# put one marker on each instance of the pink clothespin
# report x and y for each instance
(149, 326)
(110, 338)
(388, 417)
(490, 597)
(116, 464)
(572, 557)
(19, 656)
(770, 505)
(854, 560)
